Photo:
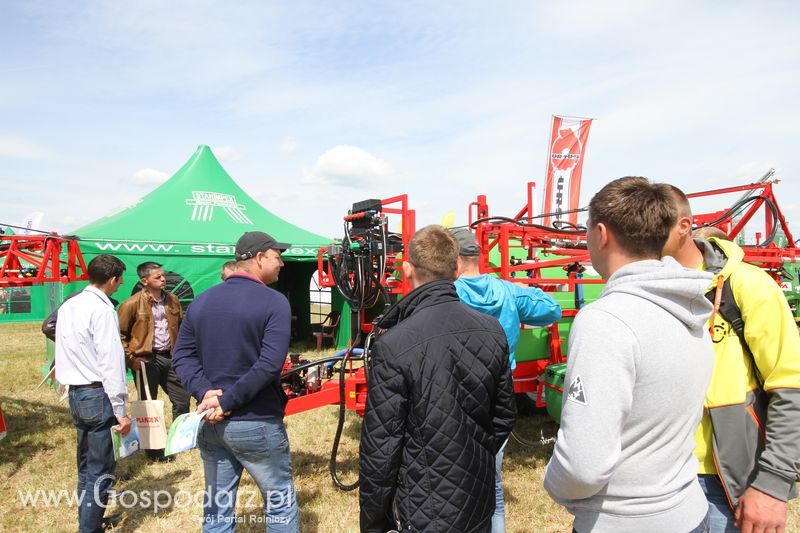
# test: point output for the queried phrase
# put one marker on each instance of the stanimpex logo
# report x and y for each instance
(204, 203)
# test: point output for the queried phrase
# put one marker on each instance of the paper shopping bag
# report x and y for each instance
(149, 416)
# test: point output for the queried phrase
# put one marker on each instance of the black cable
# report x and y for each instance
(30, 229)
(299, 368)
(738, 205)
(358, 271)
(527, 225)
(561, 224)
(340, 427)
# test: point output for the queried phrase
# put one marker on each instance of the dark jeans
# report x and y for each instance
(93, 419)
(160, 372)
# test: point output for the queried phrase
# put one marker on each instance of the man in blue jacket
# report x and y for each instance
(229, 355)
(511, 305)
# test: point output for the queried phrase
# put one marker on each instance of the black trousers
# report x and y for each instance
(160, 372)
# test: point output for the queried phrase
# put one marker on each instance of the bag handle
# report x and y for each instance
(143, 372)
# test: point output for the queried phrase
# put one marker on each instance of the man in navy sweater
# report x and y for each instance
(229, 355)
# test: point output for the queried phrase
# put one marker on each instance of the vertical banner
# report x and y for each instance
(564, 165)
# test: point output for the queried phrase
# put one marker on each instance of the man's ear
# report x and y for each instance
(408, 270)
(459, 267)
(603, 236)
(684, 227)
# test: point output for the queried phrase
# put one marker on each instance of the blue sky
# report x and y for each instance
(311, 106)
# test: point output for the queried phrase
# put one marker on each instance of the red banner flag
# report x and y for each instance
(567, 150)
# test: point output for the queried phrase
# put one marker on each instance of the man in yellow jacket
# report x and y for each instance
(748, 442)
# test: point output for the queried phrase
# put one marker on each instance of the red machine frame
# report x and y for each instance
(32, 259)
(355, 385)
(506, 234)
(770, 257)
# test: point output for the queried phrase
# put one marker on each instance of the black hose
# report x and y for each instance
(299, 368)
(738, 205)
(527, 225)
(339, 428)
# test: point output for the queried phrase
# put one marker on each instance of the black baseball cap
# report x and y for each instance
(467, 243)
(253, 242)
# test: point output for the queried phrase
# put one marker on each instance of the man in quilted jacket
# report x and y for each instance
(440, 404)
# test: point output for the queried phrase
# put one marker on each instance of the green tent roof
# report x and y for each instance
(198, 211)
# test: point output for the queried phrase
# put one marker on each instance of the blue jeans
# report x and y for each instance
(499, 517)
(92, 416)
(721, 517)
(262, 448)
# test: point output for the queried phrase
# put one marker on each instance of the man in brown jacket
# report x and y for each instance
(149, 322)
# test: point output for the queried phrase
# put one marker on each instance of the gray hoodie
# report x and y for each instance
(640, 361)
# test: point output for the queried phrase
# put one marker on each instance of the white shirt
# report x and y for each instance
(88, 346)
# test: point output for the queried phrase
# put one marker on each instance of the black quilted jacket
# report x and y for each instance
(440, 405)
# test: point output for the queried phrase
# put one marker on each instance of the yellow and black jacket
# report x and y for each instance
(751, 422)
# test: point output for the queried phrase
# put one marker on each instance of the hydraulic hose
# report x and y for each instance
(339, 428)
(331, 359)
(529, 225)
(738, 205)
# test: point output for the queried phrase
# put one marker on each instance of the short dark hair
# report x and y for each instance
(145, 268)
(229, 265)
(434, 253)
(104, 267)
(681, 201)
(641, 214)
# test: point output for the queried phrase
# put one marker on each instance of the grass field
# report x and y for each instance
(39, 454)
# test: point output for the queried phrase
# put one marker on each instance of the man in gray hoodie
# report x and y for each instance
(639, 363)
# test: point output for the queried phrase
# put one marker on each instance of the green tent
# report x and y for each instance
(190, 224)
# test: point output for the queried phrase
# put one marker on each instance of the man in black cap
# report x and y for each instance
(229, 355)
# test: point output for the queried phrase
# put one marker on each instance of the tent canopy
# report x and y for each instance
(190, 224)
(200, 211)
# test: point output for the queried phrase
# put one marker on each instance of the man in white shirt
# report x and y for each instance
(90, 359)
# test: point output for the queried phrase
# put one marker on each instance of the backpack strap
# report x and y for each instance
(725, 304)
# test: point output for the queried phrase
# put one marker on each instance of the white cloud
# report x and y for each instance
(753, 171)
(289, 145)
(19, 148)
(72, 221)
(149, 176)
(226, 153)
(346, 165)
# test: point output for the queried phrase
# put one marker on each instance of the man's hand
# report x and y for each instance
(136, 363)
(124, 426)
(760, 513)
(210, 400)
(216, 415)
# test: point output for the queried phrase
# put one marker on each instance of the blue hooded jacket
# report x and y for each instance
(510, 304)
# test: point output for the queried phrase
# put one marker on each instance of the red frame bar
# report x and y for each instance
(42, 253)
